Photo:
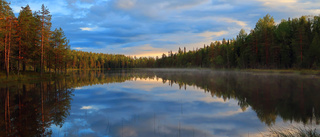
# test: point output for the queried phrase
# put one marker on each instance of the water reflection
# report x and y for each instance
(154, 102)
(30, 109)
(292, 97)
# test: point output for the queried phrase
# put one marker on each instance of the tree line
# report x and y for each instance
(293, 43)
(27, 42)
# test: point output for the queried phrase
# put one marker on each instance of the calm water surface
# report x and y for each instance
(159, 103)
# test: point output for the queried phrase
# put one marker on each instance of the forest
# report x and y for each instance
(28, 43)
(293, 43)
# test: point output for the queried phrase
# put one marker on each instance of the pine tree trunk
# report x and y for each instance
(19, 60)
(41, 60)
(8, 50)
(6, 53)
(300, 36)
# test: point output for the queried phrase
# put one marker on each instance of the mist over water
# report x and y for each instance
(161, 102)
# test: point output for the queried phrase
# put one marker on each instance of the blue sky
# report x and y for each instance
(153, 27)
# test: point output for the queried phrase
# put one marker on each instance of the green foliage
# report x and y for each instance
(290, 44)
(36, 48)
(218, 60)
(314, 51)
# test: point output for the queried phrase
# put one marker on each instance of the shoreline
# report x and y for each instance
(27, 77)
(30, 75)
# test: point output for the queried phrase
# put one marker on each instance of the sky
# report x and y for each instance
(153, 27)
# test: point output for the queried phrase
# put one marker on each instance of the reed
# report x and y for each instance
(293, 132)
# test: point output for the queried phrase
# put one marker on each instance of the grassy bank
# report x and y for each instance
(26, 76)
(292, 132)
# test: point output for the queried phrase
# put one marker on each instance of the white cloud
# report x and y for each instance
(230, 113)
(144, 84)
(84, 5)
(314, 11)
(79, 48)
(293, 7)
(277, 2)
(126, 4)
(87, 29)
(240, 23)
(150, 28)
(16, 9)
(86, 107)
(210, 99)
(94, 107)
(210, 34)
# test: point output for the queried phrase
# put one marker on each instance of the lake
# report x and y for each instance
(160, 103)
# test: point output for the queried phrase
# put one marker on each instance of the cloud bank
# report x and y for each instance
(157, 26)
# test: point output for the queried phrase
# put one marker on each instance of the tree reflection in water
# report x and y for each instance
(29, 109)
(292, 97)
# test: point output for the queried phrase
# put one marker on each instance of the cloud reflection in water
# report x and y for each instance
(149, 107)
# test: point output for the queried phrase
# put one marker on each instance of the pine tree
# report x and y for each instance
(45, 19)
(6, 23)
(314, 51)
(264, 29)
